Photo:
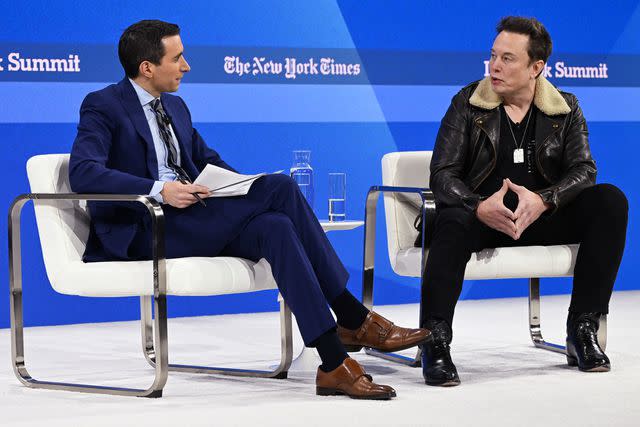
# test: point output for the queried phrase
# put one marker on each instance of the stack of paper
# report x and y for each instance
(224, 183)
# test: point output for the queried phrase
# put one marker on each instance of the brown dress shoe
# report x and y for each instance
(381, 334)
(350, 379)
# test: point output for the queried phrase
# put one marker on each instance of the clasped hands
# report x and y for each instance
(496, 215)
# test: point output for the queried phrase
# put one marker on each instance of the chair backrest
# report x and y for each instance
(63, 226)
(404, 169)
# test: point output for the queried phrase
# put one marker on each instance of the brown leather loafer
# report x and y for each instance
(381, 334)
(351, 380)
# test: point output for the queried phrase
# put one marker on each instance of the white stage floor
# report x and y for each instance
(505, 380)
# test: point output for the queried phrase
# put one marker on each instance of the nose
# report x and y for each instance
(185, 68)
(494, 65)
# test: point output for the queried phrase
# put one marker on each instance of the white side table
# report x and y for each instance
(340, 225)
(308, 359)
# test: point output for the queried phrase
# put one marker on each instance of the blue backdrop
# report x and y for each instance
(368, 78)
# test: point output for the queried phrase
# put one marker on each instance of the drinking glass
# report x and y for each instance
(337, 197)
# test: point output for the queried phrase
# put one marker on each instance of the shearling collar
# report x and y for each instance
(547, 98)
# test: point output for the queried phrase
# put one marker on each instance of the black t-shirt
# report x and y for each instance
(525, 173)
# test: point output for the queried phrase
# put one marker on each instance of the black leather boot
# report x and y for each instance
(437, 367)
(583, 349)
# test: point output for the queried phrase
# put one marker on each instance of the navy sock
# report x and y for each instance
(350, 312)
(330, 349)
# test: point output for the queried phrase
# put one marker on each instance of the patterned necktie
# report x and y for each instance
(165, 134)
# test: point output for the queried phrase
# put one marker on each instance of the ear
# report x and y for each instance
(146, 69)
(537, 68)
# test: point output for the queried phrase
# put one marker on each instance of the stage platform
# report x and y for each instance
(505, 380)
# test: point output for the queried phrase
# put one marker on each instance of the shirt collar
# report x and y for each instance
(144, 96)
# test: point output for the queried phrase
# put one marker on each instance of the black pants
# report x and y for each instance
(596, 219)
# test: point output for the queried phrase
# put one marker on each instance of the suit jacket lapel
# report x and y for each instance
(132, 105)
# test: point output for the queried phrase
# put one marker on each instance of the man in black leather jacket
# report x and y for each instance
(512, 167)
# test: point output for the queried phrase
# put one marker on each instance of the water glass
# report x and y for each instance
(337, 197)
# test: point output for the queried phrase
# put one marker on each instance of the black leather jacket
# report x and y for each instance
(466, 146)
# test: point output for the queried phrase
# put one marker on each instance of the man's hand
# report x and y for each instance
(530, 207)
(180, 195)
(495, 214)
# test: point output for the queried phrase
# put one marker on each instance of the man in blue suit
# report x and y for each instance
(134, 138)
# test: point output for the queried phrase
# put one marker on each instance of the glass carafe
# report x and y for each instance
(302, 173)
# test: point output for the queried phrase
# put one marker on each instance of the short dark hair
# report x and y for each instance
(142, 41)
(539, 39)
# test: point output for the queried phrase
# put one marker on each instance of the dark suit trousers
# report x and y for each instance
(273, 221)
(596, 219)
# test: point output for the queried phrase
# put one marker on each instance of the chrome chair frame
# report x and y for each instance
(154, 328)
(280, 372)
(534, 322)
(371, 206)
(428, 211)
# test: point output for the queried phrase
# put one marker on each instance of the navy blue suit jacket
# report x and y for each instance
(113, 153)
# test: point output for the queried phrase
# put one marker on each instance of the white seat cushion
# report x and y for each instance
(502, 263)
(185, 276)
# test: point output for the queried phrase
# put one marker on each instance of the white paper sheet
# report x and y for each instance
(224, 183)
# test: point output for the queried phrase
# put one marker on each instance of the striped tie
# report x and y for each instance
(165, 134)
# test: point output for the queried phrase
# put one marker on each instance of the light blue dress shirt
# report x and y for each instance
(164, 172)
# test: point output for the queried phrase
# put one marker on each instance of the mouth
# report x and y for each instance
(496, 80)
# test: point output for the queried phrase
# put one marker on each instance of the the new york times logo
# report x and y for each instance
(562, 71)
(290, 68)
(17, 63)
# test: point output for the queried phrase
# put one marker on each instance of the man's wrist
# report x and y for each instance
(157, 191)
(476, 210)
(546, 205)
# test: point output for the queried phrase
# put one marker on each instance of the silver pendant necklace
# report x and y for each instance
(518, 152)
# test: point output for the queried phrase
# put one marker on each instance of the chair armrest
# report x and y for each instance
(428, 214)
(157, 229)
(396, 189)
(426, 195)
